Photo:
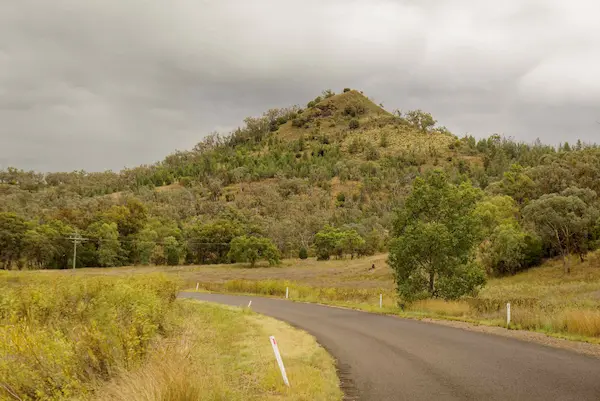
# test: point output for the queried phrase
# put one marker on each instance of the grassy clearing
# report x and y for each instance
(224, 353)
(70, 337)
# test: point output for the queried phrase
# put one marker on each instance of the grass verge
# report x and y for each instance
(224, 353)
(564, 320)
(128, 338)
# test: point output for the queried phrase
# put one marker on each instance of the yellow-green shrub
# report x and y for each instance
(63, 334)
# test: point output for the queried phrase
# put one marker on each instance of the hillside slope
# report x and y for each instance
(341, 161)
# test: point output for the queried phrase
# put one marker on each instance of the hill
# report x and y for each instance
(341, 161)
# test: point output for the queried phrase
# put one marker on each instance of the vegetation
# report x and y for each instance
(126, 338)
(436, 232)
(543, 299)
(63, 335)
(222, 354)
(331, 178)
(253, 249)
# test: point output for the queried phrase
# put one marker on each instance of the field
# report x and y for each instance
(128, 338)
(542, 299)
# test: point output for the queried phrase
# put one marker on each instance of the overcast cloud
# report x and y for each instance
(104, 84)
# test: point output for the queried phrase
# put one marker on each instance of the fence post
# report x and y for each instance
(507, 314)
(279, 360)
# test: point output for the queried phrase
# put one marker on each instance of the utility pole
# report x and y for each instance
(76, 238)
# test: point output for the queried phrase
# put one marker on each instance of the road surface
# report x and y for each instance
(385, 358)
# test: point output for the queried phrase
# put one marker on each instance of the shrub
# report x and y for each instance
(350, 111)
(61, 335)
(371, 153)
(303, 253)
(354, 124)
(347, 90)
(384, 141)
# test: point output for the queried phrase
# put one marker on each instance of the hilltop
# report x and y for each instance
(339, 161)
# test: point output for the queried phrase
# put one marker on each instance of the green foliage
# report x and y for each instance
(434, 238)
(565, 220)
(61, 335)
(510, 250)
(106, 238)
(303, 253)
(347, 90)
(210, 242)
(12, 233)
(333, 241)
(353, 124)
(252, 249)
(421, 120)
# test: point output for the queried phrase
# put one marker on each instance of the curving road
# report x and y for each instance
(383, 358)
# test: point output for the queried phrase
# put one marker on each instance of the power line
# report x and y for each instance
(76, 238)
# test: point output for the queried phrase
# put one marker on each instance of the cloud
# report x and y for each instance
(106, 84)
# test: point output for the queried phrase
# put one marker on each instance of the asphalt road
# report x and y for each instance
(383, 358)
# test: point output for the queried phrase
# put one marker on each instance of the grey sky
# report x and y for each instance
(103, 84)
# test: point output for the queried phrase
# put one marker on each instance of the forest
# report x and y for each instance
(334, 178)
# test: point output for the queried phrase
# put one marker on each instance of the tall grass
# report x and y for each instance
(223, 353)
(61, 336)
(552, 315)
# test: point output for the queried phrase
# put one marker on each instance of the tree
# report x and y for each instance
(106, 236)
(510, 250)
(432, 252)
(420, 120)
(12, 233)
(334, 241)
(144, 244)
(252, 249)
(172, 251)
(303, 253)
(210, 242)
(517, 185)
(565, 220)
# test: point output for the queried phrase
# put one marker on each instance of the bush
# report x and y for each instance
(61, 335)
(354, 124)
(303, 253)
(347, 90)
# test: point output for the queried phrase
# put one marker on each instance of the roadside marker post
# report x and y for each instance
(380, 301)
(279, 360)
(287, 292)
(197, 286)
(507, 314)
(250, 303)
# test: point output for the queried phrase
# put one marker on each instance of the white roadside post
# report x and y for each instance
(380, 301)
(287, 292)
(507, 314)
(279, 360)
(250, 303)
(197, 285)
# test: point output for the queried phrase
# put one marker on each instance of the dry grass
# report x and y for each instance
(543, 298)
(223, 353)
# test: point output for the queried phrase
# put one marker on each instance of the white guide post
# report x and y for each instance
(287, 292)
(197, 285)
(380, 301)
(250, 303)
(279, 360)
(508, 314)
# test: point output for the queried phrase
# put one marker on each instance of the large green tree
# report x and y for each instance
(12, 234)
(432, 252)
(565, 220)
(252, 249)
